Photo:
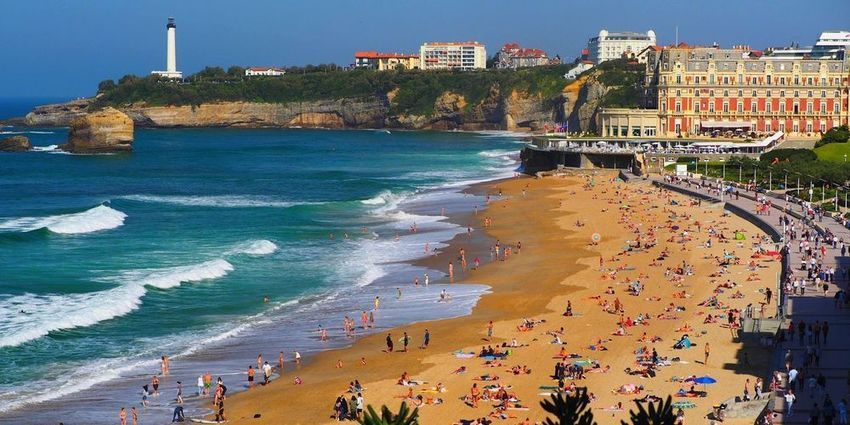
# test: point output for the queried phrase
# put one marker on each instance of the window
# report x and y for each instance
(822, 128)
(725, 106)
(796, 93)
(795, 128)
(725, 93)
(810, 93)
(678, 79)
(678, 128)
(710, 106)
(663, 106)
(796, 80)
(725, 80)
(767, 107)
(782, 127)
(767, 127)
(740, 107)
(808, 127)
(753, 81)
(753, 106)
(809, 82)
(711, 93)
(696, 93)
(696, 106)
(768, 93)
(823, 93)
(781, 93)
(782, 81)
(822, 83)
(711, 79)
(636, 132)
(796, 108)
(740, 93)
(835, 108)
(741, 79)
(678, 93)
(678, 106)
(822, 107)
(781, 106)
(755, 93)
(809, 107)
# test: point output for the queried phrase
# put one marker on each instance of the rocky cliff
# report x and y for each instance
(107, 130)
(15, 144)
(497, 111)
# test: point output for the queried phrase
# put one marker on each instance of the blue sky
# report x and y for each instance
(63, 48)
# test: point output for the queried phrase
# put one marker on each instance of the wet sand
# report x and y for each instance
(556, 264)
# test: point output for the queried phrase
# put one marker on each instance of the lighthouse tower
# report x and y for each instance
(171, 52)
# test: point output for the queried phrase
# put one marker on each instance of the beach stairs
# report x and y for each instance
(745, 409)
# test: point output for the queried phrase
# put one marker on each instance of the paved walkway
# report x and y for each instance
(814, 306)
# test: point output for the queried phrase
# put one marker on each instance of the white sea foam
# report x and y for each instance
(98, 218)
(29, 316)
(223, 201)
(48, 148)
(258, 247)
(26, 132)
(173, 276)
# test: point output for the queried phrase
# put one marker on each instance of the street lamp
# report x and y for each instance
(845, 157)
(706, 166)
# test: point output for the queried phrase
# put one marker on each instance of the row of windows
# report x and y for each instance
(767, 127)
(769, 80)
(768, 108)
(754, 93)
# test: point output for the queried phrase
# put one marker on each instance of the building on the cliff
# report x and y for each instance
(386, 61)
(580, 67)
(711, 90)
(615, 45)
(265, 71)
(466, 55)
(170, 52)
(627, 123)
(830, 45)
(511, 55)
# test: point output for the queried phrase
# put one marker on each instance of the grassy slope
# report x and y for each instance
(833, 152)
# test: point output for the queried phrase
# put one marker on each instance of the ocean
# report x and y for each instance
(108, 262)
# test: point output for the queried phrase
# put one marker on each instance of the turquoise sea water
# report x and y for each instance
(109, 261)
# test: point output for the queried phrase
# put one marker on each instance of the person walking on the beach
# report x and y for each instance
(768, 294)
(267, 373)
(179, 398)
(389, 343)
(135, 415)
(377, 302)
(250, 376)
(200, 385)
(155, 385)
(405, 340)
(122, 415)
(707, 352)
(426, 340)
(474, 394)
(297, 359)
(489, 330)
(280, 363)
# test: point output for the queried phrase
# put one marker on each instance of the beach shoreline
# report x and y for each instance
(312, 401)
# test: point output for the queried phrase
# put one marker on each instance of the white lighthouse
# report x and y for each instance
(171, 52)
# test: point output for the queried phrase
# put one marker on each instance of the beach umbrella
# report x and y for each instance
(705, 380)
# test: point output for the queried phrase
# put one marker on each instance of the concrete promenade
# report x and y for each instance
(813, 306)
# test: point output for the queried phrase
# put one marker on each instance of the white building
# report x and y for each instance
(573, 73)
(614, 45)
(170, 53)
(458, 55)
(266, 71)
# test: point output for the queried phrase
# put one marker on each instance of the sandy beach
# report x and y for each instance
(555, 219)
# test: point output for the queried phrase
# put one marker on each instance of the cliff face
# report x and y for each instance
(497, 111)
(107, 130)
(58, 115)
(15, 144)
(583, 98)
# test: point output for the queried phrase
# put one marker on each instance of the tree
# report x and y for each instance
(834, 135)
(105, 86)
(569, 409)
(657, 414)
(403, 417)
(236, 72)
(128, 79)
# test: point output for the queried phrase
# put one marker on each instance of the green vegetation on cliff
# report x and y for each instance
(625, 80)
(417, 90)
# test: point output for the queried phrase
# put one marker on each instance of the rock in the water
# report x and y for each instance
(108, 130)
(15, 144)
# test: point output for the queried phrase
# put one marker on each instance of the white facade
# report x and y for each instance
(170, 52)
(612, 45)
(578, 69)
(264, 71)
(464, 55)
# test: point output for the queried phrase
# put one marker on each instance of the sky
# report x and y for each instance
(63, 48)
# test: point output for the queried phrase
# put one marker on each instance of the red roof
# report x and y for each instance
(264, 68)
(511, 46)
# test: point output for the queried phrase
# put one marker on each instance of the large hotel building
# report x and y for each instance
(463, 56)
(705, 90)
